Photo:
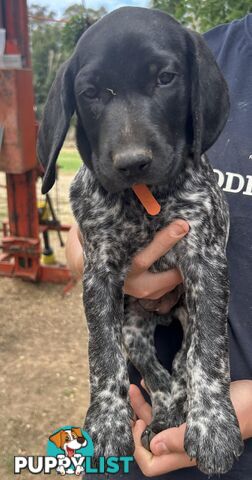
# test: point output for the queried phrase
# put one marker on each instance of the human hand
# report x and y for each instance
(168, 453)
(157, 291)
(167, 448)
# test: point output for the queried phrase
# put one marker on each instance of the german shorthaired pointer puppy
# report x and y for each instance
(149, 100)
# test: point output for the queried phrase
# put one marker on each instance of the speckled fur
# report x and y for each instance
(164, 126)
(114, 228)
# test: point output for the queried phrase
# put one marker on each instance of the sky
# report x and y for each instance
(60, 5)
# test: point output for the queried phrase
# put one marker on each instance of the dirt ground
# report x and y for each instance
(43, 358)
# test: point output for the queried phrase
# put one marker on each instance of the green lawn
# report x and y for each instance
(69, 161)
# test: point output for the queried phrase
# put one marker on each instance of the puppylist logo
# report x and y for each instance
(70, 451)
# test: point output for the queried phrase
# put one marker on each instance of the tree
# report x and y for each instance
(47, 54)
(78, 20)
(53, 41)
(204, 14)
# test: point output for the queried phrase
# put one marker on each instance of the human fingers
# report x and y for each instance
(141, 408)
(152, 465)
(164, 304)
(140, 451)
(163, 241)
(167, 302)
(152, 285)
(163, 282)
(170, 440)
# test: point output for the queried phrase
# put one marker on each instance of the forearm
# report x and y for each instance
(74, 252)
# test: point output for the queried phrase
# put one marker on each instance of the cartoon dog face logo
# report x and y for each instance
(69, 440)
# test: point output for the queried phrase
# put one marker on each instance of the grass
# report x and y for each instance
(69, 160)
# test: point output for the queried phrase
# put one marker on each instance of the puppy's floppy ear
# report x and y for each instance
(209, 95)
(59, 108)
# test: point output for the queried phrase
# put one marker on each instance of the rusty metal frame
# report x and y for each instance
(21, 248)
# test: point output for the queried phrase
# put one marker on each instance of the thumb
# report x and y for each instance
(170, 440)
(142, 456)
(138, 430)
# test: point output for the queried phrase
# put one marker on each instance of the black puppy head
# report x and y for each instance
(147, 93)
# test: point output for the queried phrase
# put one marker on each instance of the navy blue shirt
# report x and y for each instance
(231, 157)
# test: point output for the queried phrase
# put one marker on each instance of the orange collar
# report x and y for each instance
(146, 198)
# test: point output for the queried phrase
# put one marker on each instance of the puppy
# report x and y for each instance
(150, 100)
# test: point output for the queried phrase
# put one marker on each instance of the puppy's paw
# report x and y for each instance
(164, 416)
(156, 426)
(174, 418)
(111, 432)
(147, 436)
(215, 441)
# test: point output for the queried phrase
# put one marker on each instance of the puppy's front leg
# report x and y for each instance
(212, 436)
(109, 415)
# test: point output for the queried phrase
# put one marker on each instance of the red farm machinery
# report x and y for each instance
(22, 231)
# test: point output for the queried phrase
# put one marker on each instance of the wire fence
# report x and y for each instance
(59, 195)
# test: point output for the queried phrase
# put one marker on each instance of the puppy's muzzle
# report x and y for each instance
(132, 163)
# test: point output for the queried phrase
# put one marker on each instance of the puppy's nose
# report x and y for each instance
(132, 163)
(81, 440)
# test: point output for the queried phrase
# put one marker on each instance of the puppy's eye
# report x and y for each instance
(90, 92)
(165, 78)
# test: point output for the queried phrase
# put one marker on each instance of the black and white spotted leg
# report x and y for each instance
(109, 416)
(178, 401)
(138, 338)
(212, 436)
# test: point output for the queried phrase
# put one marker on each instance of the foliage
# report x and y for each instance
(202, 15)
(78, 21)
(46, 51)
(53, 41)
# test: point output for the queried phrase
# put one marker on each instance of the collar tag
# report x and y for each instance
(146, 198)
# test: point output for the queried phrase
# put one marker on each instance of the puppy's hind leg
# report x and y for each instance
(178, 406)
(138, 339)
